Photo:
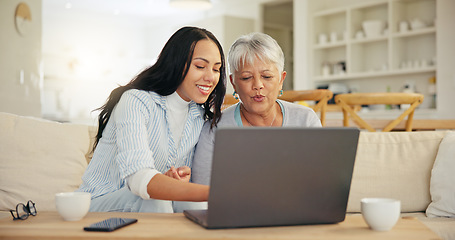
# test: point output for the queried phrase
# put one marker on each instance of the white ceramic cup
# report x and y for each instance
(381, 214)
(322, 38)
(403, 26)
(72, 206)
(359, 35)
(333, 37)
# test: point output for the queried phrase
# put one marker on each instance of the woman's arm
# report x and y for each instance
(167, 188)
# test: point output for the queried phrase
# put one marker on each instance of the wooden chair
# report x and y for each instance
(229, 100)
(320, 95)
(346, 101)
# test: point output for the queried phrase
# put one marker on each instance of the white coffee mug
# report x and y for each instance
(72, 206)
(333, 37)
(381, 214)
(322, 38)
(404, 26)
(359, 35)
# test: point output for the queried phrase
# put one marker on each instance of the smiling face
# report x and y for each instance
(258, 85)
(203, 73)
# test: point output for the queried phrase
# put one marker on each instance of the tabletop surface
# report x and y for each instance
(49, 225)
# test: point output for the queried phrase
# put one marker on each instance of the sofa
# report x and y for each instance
(40, 158)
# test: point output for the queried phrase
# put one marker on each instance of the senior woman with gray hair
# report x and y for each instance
(256, 64)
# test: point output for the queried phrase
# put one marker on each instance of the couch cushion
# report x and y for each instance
(92, 131)
(38, 159)
(395, 165)
(442, 185)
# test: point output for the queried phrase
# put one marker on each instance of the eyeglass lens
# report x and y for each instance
(21, 211)
(31, 207)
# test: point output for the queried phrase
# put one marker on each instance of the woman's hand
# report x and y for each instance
(181, 173)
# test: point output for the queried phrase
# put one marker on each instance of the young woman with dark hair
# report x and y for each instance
(148, 129)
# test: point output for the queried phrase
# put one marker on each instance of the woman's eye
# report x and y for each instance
(199, 67)
(245, 78)
(267, 77)
(216, 70)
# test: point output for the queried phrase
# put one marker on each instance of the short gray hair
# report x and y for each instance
(255, 45)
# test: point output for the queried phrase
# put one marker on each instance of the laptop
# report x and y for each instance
(278, 177)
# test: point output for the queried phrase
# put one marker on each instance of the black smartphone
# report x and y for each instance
(110, 224)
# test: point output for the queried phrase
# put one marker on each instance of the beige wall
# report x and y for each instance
(227, 29)
(446, 58)
(20, 55)
(24, 54)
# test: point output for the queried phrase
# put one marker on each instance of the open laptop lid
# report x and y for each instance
(280, 176)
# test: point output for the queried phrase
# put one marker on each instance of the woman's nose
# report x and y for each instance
(257, 84)
(209, 75)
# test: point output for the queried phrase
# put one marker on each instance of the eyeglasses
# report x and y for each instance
(23, 211)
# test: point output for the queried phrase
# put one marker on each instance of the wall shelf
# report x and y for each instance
(429, 30)
(404, 55)
(368, 75)
(368, 40)
(330, 45)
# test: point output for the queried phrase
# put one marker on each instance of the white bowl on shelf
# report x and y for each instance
(373, 28)
(417, 24)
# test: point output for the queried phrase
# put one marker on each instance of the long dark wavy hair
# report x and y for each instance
(166, 75)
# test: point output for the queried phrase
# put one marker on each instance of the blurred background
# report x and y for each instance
(61, 58)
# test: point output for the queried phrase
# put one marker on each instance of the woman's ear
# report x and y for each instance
(231, 79)
(283, 76)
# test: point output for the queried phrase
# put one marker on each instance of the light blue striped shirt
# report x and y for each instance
(137, 136)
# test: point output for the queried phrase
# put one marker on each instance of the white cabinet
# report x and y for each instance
(342, 51)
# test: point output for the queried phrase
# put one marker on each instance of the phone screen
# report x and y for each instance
(110, 224)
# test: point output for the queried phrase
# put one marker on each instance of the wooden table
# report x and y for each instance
(49, 225)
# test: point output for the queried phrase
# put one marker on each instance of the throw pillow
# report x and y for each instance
(38, 159)
(395, 165)
(442, 185)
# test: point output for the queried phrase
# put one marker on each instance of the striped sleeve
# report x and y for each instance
(132, 114)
